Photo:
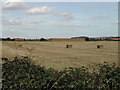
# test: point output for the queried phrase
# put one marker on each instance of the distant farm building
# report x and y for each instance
(115, 39)
(67, 39)
(18, 39)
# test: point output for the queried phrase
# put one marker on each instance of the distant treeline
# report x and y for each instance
(43, 39)
(21, 39)
(105, 39)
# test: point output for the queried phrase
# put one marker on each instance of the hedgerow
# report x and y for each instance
(22, 74)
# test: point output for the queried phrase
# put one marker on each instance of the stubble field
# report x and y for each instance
(56, 55)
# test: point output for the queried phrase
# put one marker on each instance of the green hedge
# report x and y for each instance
(22, 74)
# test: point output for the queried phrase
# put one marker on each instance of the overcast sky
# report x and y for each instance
(59, 20)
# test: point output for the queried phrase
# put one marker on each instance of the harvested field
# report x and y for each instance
(56, 55)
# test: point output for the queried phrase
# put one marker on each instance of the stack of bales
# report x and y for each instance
(66, 39)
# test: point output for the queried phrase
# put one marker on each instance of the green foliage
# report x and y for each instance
(22, 74)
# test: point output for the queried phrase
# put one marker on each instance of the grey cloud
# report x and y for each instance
(66, 15)
(13, 5)
(38, 22)
(78, 25)
(115, 22)
(28, 27)
(100, 16)
(11, 22)
(87, 6)
(12, 33)
(40, 10)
